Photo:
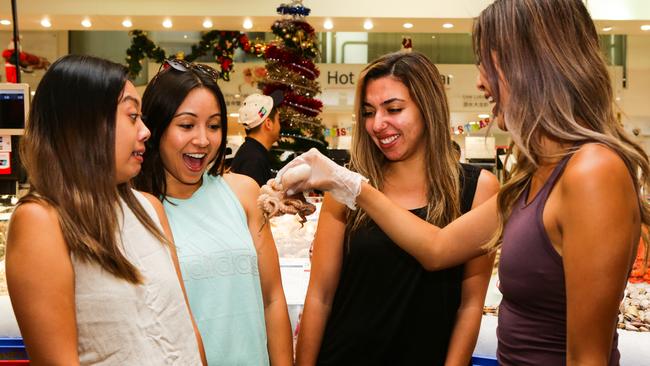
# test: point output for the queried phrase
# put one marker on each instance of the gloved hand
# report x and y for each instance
(325, 175)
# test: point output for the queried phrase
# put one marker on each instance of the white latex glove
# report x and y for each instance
(324, 175)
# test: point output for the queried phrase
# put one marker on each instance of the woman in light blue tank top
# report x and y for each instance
(229, 265)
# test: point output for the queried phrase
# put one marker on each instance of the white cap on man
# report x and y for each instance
(257, 107)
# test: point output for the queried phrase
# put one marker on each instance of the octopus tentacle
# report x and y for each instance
(274, 202)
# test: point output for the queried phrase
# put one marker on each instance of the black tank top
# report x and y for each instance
(387, 309)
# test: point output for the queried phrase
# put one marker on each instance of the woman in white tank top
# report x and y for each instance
(92, 274)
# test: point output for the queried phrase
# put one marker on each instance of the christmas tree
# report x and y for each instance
(290, 67)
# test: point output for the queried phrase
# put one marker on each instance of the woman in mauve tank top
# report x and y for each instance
(569, 217)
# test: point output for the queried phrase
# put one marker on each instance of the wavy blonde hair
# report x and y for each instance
(559, 88)
(424, 82)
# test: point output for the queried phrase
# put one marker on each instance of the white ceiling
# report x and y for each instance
(427, 16)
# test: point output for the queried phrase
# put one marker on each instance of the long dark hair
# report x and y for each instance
(69, 153)
(164, 94)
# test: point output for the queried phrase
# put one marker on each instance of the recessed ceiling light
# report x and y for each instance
(46, 23)
(235, 114)
(328, 24)
(483, 115)
(167, 23)
(607, 29)
(126, 23)
(447, 25)
(407, 25)
(367, 25)
(5, 22)
(207, 23)
(645, 27)
(86, 23)
(248, 24)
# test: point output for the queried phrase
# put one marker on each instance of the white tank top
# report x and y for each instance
(119, 323)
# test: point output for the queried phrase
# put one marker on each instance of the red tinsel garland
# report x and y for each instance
(308, 106)
(292, 61)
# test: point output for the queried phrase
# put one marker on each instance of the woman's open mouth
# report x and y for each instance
(194, 162)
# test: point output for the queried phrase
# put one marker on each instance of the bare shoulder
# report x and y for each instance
(155, 202)
(487, 182)
(596, 165)
(34, 214)
(596, 178)
(30, 215)
(243, 185)
(486, 187)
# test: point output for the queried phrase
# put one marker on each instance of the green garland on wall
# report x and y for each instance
(222, 45)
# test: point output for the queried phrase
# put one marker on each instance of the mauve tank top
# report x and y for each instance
(532, 314)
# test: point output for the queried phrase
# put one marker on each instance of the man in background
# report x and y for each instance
(261, 120)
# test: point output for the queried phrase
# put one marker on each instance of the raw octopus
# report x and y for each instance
(274, 201)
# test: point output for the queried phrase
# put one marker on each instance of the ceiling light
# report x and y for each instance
(483, 115)
(126, 23)
(328, 24)
(447, 25)
(5, 22)
(233, 115)
(86, 23)
(46, 23)
(367, 25)
(207, 23)
(248, 24)
(167, 23)
(407, 25)
(607, 29)
(645, 27)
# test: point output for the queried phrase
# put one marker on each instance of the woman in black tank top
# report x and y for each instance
(568, 220)
(369, 302)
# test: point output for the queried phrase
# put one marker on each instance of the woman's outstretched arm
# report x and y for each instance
(433, 247)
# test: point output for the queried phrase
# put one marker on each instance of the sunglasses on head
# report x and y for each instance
(183, 66)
